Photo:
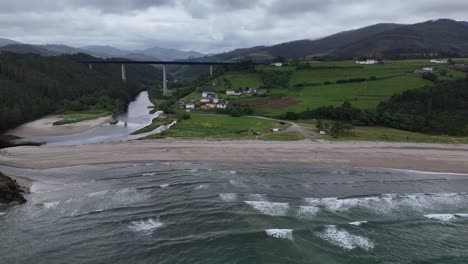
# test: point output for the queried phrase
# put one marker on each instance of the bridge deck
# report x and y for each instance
(159, 62)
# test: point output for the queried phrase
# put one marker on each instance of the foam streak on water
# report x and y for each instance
(269, 208)
(344, 239)
(388, 203)
(145, 226)
(280, 233)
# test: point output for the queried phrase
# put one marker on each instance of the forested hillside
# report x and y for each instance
(32, 86)
(442, 109)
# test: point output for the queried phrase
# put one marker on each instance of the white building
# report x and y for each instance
(368, 62)
(216, 100)
(439, 61)
(232, 92)
(221, 106)
(204, 100)
(277, 64)
(275, 130)
(427, 69)
(190, 106)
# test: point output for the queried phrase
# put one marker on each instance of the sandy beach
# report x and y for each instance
(44, 127)
(408, 156)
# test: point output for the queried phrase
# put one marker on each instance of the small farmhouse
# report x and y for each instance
(368, 62)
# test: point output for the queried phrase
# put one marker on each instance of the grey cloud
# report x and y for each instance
(205, 25)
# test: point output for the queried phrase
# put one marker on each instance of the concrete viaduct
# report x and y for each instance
(163, 63)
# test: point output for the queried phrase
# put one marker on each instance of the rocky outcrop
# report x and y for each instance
(10, 191)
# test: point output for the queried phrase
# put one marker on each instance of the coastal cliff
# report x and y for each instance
(10, 191)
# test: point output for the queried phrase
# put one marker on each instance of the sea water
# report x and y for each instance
(202, 212)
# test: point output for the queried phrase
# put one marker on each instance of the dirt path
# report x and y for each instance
(307, 133)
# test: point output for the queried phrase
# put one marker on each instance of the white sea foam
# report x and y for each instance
(270, 208)
(1, 214)
(233, 172)
(164, 185)
(308, 210)
(193, 170)
(358, 223)
(50, 204)
(128, 195)
(237, 183)
(387, 203)
(228, 197)
(461, 215)
(145, 227)
(280, 233)
(441, 217)
(97, 193)
(149, 174)
(344, 239)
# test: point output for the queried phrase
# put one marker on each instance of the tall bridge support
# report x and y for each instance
(164, 81)
(124, 74)
(90, 66)
(211, 70)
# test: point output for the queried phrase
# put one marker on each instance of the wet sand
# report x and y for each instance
(409, 156)
(44, 127)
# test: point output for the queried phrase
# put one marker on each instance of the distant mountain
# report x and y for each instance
(61, 49)
(444, 37)
(26, 48)
(140, 57)
(170, 54)
(4, 42)
(151, 53)
(105, 51)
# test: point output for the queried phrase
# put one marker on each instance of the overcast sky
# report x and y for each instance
(205, 25)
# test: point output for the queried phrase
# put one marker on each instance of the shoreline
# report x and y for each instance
(424, 157)
(43, 127)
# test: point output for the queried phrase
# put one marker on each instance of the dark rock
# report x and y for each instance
(10, 192)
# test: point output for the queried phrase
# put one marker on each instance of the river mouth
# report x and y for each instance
(189, 212)
(136, 117)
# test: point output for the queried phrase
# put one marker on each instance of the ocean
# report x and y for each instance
(207, 212)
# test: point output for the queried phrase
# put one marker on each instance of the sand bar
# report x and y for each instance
(410, 156)
(44, 127)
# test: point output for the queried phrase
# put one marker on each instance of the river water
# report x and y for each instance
(199, 212)
(136, 117)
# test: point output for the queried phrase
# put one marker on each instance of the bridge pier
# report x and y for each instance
(90, 66)
(164, 81)
(124, 74)
(211, 70)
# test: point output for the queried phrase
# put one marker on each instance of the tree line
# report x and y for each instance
(439, 109)
(32, 86)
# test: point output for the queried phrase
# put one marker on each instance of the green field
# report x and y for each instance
(308, 86)
(75, 117)
(220, 126)
(161, 120)
(389, 134)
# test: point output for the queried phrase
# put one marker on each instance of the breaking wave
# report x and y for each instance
(228, 197)
(307, 210)
(269, 208)
(358, 223)
(145, 227)
(444, 217)
(387, 203)
(344, 239)
(280, 233)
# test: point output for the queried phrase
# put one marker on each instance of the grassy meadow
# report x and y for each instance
(317, 85)
(75, 117)
(220, 126)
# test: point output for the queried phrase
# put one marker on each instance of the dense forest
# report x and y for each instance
(442, 109)
(439, 109)
(32, 86)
